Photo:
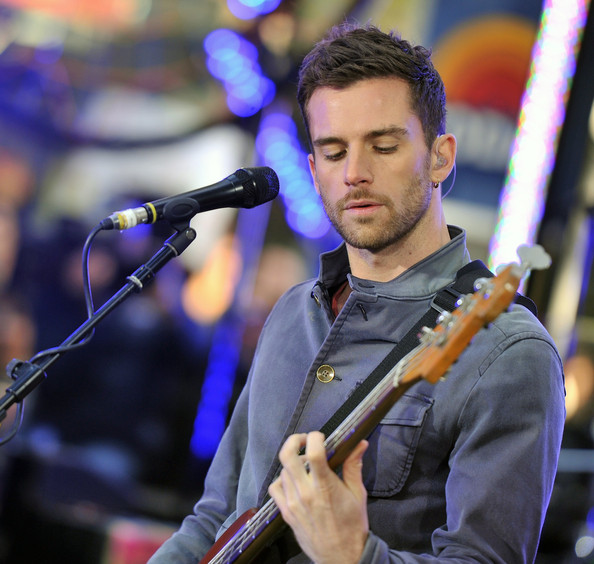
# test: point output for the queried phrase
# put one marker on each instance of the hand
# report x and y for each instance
(327, 514)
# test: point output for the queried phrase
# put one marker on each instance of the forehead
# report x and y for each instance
(369, 104)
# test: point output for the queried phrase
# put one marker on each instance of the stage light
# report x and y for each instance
(541, 117)
(278, 146)
(234, 61)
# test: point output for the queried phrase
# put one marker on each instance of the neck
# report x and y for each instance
(388, 263)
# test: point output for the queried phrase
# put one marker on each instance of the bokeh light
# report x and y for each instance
(234, 61)
(278, 145)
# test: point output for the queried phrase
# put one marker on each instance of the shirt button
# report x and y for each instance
(325, 373)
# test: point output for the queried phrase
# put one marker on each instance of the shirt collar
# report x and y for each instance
(422, 279)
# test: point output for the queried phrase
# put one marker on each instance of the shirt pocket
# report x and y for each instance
(392, 446)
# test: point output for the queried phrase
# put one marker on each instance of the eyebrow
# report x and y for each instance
(374, 134)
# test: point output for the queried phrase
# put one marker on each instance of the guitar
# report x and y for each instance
(438, 349)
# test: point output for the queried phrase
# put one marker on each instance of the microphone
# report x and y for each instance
(245, 188)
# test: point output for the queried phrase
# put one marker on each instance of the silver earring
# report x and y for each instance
(435, 185)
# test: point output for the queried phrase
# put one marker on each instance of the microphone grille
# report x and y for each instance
(260, 185)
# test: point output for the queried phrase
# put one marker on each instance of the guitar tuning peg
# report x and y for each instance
(482, 284)
(444, 318)
(426, 335)
(463, 302)
(534, 257)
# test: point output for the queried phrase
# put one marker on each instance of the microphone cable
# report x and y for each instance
(88, 294)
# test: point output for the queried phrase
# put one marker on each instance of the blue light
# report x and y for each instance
(221, 39)
(534, 148)
(279, 148)
(590, 519)
(251, 96)
(234, 61)
(248, 88)
(50, 53)
(297, 188)
(248, 9)
(211, 417)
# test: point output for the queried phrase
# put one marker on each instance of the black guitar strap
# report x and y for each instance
(444, 300)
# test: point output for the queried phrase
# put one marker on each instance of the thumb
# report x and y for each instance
(352, 468)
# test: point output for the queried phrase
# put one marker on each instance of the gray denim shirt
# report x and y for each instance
(457, 471)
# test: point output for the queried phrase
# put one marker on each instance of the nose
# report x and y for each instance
(357, 168)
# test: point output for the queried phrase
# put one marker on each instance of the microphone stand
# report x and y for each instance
(28, 375)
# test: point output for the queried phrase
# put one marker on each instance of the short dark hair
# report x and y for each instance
(351, 52)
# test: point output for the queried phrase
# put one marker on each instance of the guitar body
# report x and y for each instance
(248, 551)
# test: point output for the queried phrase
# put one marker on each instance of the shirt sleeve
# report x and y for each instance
(503, 462)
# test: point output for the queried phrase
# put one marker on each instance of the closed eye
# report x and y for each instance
(334, 156)
(387, 150)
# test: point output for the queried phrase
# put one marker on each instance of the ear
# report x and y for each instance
(443, 157)
(312, 170)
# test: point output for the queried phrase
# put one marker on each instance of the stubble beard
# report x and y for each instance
(376, 233)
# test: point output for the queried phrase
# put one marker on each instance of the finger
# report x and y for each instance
(352, 470)
(316, 456)
(275, 490)
(293, 476)
(288, 496)
(284, 499)
(289, 452)
(280, 488)
(293, 464)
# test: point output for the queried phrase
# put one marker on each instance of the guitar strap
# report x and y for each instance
(444, 300)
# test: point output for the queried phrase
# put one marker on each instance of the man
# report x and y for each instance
(458, 471)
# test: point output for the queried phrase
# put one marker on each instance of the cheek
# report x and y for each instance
(323, 179)
(327, 189)
(325, 170)
(316, 183)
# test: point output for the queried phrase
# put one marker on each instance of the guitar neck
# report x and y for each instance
(365, 418)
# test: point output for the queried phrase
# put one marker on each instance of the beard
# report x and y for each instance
(378, 233)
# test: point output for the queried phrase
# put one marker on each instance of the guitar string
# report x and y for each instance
(392, 379)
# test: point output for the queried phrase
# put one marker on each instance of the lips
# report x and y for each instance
(356, 205)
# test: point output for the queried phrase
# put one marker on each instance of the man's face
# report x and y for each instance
(370, 163)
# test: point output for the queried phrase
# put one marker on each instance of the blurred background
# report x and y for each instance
(106, 105)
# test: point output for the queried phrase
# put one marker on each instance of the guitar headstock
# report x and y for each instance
(441, 346)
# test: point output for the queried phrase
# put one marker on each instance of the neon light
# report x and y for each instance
(234, 61)
(541, 116)
(279, 147)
